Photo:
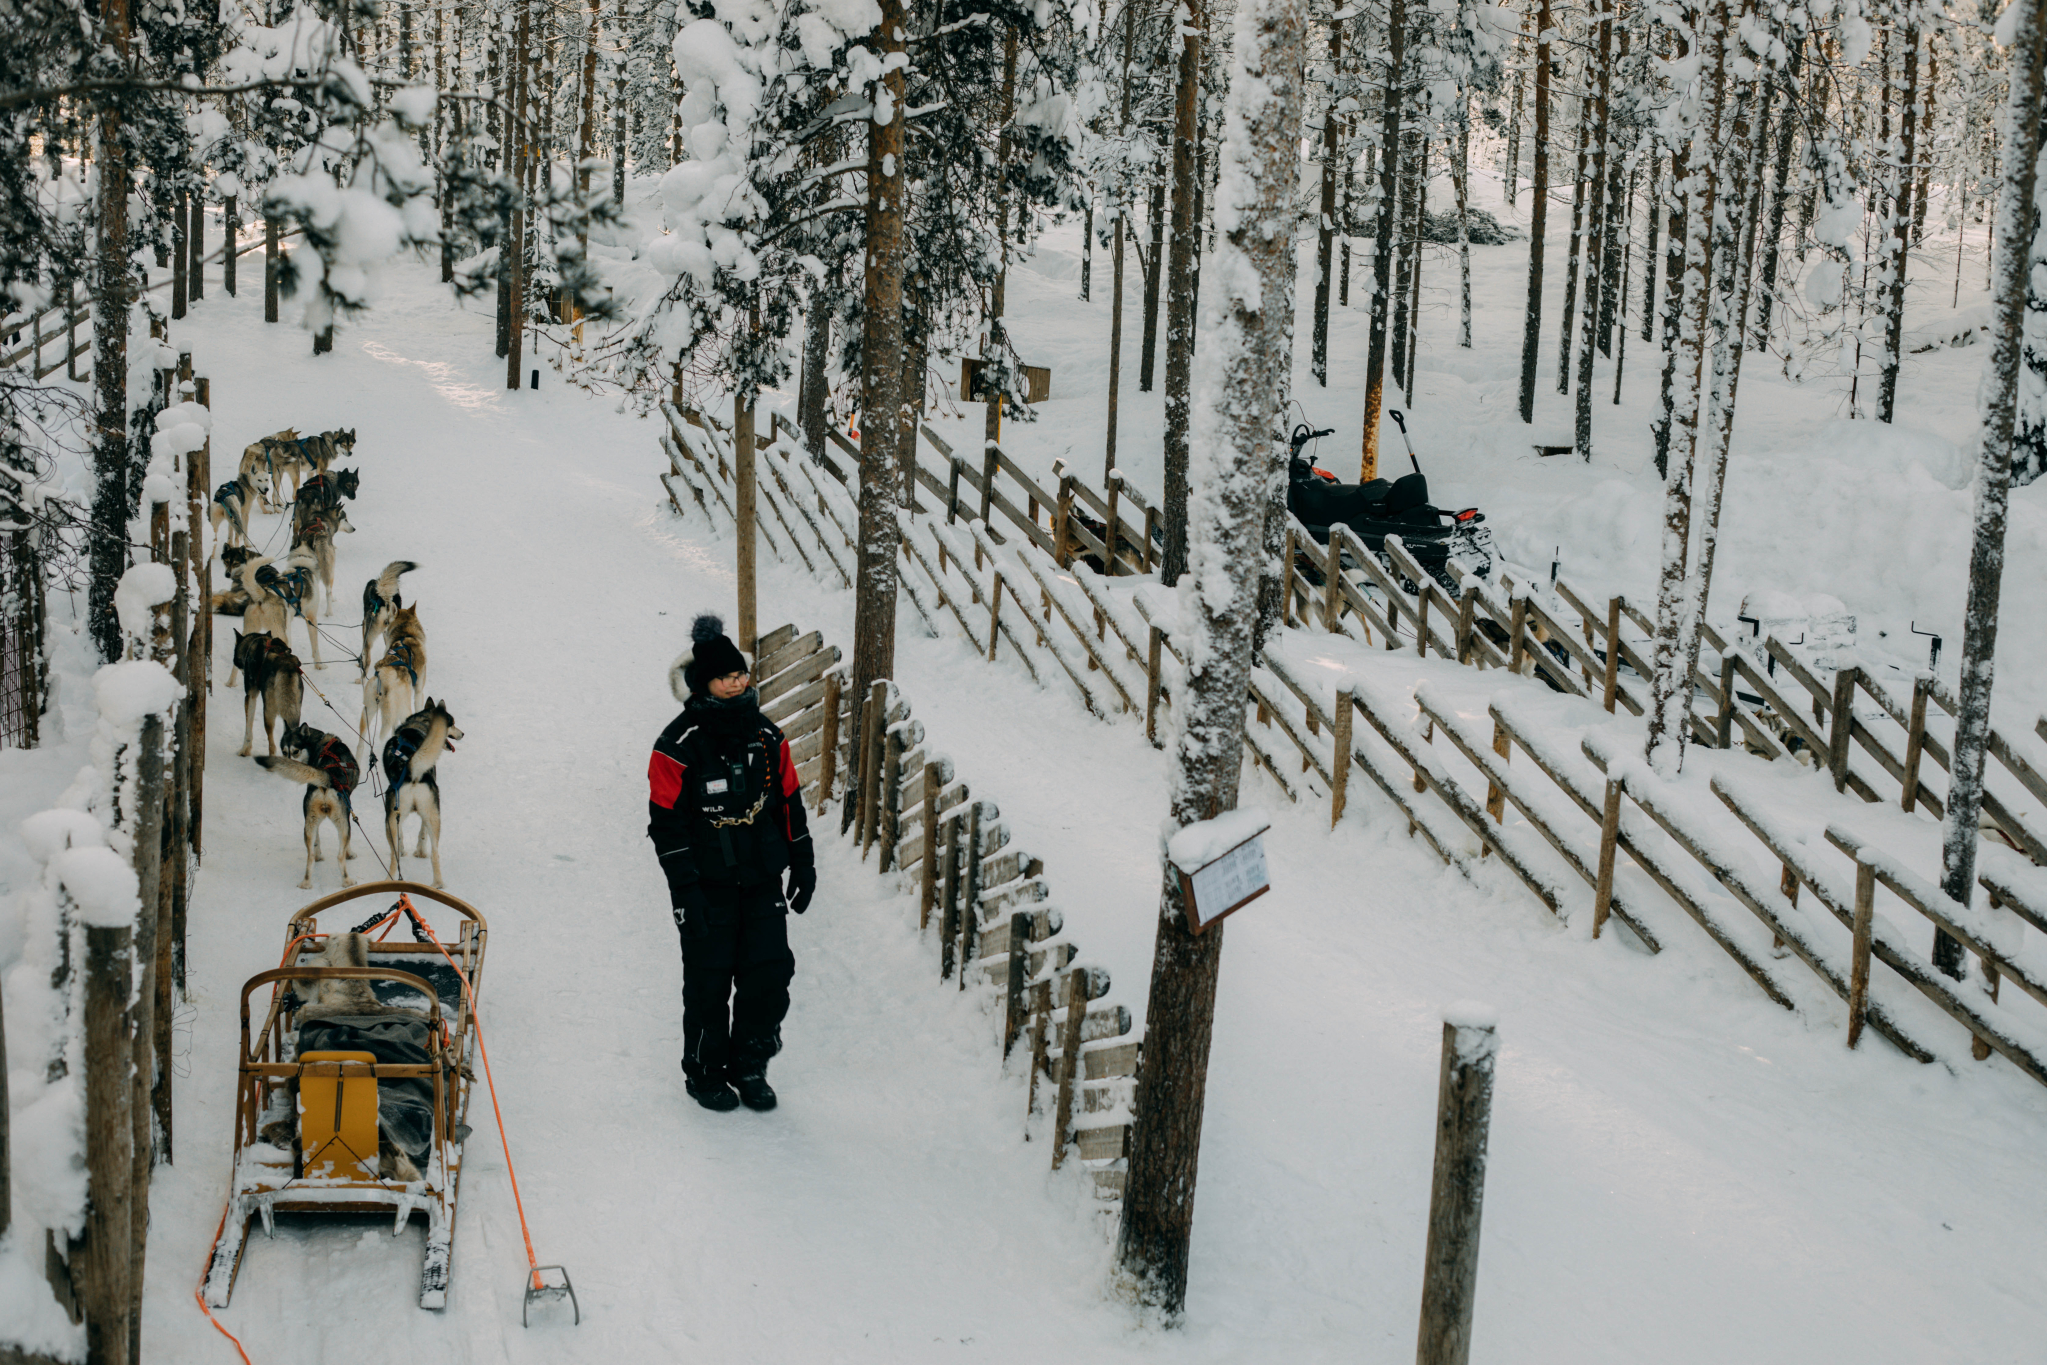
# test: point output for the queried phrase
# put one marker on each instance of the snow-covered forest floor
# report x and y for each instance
(1680, 1170)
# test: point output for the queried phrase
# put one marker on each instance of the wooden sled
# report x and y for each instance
(328, 1101)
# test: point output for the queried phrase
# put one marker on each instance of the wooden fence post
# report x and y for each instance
(1858, 963)
(970, 890)
(1613, 653)
(1421, 621)
(1517, 630)
(928, 882)
(891, 821)
(1340, 760)
(1063, 555)
(1915, 741)
(1464, 1101)
(1151, 687)
(1843, 720)
(948, 928)
(743, 450)
(1332, 572)
(1467, 607)
(828, 759)
(873, 751)
(110, 1221)
(994, 605)
(1076, 1016)
(1286, 580)
(1723, 725)
(1609, 842)
(1019, 958)
(855, 811)
(1496, 797)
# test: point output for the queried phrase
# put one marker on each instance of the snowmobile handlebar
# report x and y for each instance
(1303, 434)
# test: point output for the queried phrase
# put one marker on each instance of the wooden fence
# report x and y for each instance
(991, 532)
(983, 900)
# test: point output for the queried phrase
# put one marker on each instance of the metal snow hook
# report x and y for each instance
(1933, 662)
(1400, 420)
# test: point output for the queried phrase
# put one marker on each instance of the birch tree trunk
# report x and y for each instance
(1898, 228)
(1180, 267)
(1462, 178)
(1249, 321)
(1382, 240)
(1120, 222)
(1154, 271)
(1325, 232)
(1773, 231)
(881, 369)
(515, 270)
(1670, 683)
(1595, 230)
(1538, 214)
(111, 287)
(1581, 209)
(995, 342)
(2016, 218)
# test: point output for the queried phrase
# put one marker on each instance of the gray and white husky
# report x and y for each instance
(410, 755)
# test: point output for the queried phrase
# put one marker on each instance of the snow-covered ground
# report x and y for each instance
(1680, 1170)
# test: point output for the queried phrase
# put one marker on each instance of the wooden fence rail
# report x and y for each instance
(1027, 542)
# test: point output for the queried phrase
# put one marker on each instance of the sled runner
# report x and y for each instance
(338, 1107)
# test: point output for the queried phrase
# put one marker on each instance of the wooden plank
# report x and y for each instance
(774, 640)
(1459, 802)
(1499, 774)
(1927, 900)
(789, 679)
(1103, 1144)
(1788, 930)
(787, 655)
(1916, 970)
(793, 702)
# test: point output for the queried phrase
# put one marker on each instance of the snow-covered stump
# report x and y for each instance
(1464, 1103)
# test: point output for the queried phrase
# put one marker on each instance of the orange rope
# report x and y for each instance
(476, 1020)
(199, 1294)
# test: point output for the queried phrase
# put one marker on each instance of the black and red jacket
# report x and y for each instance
(724, 805)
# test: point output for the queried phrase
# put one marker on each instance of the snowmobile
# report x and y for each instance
(1379, 508)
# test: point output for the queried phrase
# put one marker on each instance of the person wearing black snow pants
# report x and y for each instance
(725, 812)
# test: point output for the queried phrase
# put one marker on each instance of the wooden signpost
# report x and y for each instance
(1224, 882)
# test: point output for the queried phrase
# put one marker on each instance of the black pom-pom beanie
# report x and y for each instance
(710, 655)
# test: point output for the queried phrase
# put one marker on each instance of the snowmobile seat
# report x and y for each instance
(338, 1115)
(1408, 492)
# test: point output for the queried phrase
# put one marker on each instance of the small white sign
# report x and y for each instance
(1227, 882)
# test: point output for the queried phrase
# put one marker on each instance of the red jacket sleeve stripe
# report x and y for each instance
(790, 782)
(664, 779)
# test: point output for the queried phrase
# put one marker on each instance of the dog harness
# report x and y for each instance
(398, 752)
(402, 653)
(229, 495)
(293, 587)
(334, 759)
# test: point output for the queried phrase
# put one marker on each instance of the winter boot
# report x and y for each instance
(754, 1091)
(713, 1092)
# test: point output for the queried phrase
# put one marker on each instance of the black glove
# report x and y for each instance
(688, 899)
(802, 886)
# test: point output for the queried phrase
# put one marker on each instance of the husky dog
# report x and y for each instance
(285, 454)
(270, 671)
(233, 499)
(232, 601)
(393, 687)
(328, 769)
(380, 603)
(275, 596)
(314, 526)
(351, 999)
(328, 488)
(409, 758)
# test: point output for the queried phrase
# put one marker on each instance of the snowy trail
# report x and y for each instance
(1680, 1171)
